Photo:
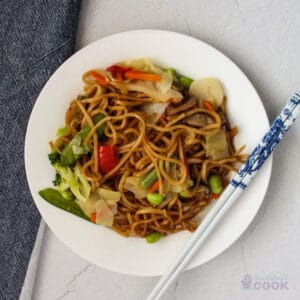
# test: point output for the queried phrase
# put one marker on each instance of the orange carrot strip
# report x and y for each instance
(101, 79)
(215, 196)
(154, 187)
(142, 76)
(93, 217)
(208, 105)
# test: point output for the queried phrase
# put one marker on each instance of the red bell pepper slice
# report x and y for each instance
(118, 71)
(107, 158)
(116, 68)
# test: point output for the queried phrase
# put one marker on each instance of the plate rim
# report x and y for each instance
(193, 263)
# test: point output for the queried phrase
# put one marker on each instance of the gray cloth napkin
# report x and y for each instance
(36, 36)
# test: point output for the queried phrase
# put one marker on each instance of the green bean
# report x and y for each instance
(149, 180)
(185, 81)
(215, 184)
(55, 198)
(155, 198)
(153, 237)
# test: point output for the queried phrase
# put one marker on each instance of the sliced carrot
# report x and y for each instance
(142, 76)
(208, 105)
(215, 196)
(154, 187)
(119, 76)
(93, 217)
(101, 79)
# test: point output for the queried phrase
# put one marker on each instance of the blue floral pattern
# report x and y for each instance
(268, 143)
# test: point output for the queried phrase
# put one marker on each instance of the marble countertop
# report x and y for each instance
(263, 38)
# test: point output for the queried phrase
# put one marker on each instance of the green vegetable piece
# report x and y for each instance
(55, 198)
(76, 148)
(149, 180)
(74, 181)
(155, 198)
(100, 129)
(184, 194)
(185, 81)
(171, 71)
(61, 132)
(153, 237)
(57, 180)
(215, 184)
(54, 157)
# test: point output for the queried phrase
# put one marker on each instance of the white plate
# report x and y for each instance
(189, 56)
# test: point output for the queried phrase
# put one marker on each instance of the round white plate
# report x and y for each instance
(188, 56)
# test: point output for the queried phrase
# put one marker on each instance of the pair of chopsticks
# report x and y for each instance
(236, 186)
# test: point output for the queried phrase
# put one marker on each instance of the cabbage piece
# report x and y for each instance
(108, 195)
(207, 89)
(89, 206)
(104, 215)
(161, 91)
(154, 108)
(153, 90)
(217, 147)
(142, 64)
(132, 184)
(104, 203)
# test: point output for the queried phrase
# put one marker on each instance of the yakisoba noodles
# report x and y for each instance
(144, 150)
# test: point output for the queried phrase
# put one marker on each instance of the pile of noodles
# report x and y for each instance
(143, 145)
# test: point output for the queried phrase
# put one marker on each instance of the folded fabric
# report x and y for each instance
(36, 37)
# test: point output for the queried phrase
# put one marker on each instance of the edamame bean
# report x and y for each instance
(215, 184)
(155, 198)
(153, 237)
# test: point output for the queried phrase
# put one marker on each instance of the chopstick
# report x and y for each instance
(236, 186)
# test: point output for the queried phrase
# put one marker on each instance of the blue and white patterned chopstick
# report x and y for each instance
(237, 185)
(266, 146)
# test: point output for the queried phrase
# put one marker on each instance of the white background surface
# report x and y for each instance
(263, 38)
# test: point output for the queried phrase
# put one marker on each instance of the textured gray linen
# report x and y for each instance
(36, 36)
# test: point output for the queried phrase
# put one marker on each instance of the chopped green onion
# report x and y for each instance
(155, 198)
(149, 180)
(185, 81)
(215, 184)
(153, 237)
